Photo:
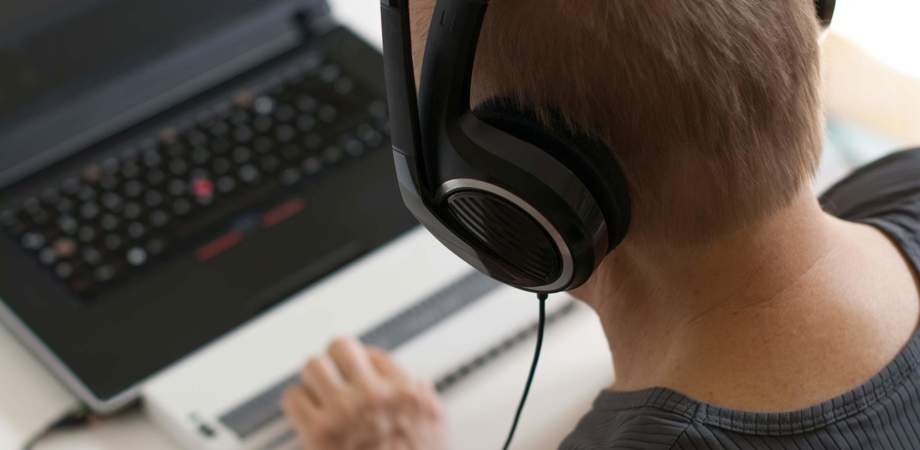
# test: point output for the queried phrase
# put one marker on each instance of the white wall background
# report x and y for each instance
(889, 29)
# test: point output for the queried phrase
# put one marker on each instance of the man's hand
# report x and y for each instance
(355, 397)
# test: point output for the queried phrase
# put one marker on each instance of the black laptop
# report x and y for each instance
(170, 169)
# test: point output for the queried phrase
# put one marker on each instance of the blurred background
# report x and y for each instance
(872, 82)
(872, 78)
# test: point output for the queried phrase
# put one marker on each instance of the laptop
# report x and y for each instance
(170, 170)
(196, 196)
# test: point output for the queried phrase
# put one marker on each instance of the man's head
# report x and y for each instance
(712, 106)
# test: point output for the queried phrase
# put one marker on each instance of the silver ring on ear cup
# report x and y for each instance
(565, 254)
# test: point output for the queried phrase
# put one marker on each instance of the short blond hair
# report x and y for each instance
(711, 106)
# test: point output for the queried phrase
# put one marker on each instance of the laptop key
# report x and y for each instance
(291, 152)
(105, 273)
(269, 163)
(226, 184)
(332, 155)
(196, 138)
(64, 205)
(47, 256)
(136, 256)
(353, 146)
(152, 159)
(200, 156)
(89, 210)
(112, 201)
(64, 270)
(33, 240)
(133, 189)
(70, 186)
(221, 165)
(243, 134)
(159, 218)
(285, 113)
(312, 165)
(178, 167)
(285, 133)
(91, 256)
(328, 114)
(156, 177)
(242, 155)
(177, 187)
(153, 199)
(8, 218)
(290, 177)
(306, 123)
(113, 242)
(64, 247)
(130, 169)
(249, 174)
(132, 211)
(181, 207)
(50, 196)
(137, 230)
(86, 234)
(155, 246)
(68, 224)
(370, 136)
(307, 103)
(109, 222)
(263, 144)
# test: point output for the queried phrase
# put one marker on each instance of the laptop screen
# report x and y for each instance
(51, 49)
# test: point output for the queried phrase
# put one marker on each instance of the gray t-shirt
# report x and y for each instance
(883, 414)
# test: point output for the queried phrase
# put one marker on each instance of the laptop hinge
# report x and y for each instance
(310, 18)
(303, 21)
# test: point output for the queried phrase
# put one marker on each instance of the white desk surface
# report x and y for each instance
(575, 366)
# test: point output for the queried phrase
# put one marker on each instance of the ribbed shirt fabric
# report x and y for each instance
(882, 414)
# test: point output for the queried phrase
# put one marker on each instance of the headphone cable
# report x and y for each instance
(533, 369)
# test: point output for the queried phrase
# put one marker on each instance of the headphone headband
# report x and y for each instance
(825, 10)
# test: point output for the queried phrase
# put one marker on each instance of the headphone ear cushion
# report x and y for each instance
(589, 158)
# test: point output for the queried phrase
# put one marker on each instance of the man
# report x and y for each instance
(741, 312)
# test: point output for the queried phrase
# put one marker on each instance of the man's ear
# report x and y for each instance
(593, 290)
(420, 12)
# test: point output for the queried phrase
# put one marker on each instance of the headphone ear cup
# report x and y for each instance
(587, 157)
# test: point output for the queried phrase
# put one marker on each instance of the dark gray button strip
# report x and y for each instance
(264, 408)
(462, 371)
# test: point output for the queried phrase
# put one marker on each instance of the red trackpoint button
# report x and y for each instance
(203, 188)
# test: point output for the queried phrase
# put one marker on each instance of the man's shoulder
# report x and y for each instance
(639, 428)
(885, 194)
(887, 185)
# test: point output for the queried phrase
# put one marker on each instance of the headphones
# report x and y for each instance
(536, 206)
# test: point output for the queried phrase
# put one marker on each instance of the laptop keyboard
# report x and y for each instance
(120, 214)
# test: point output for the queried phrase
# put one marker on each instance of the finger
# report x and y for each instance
(429, 398)
(353, 362)
(299, 410)
(386, 366)
(321, 379)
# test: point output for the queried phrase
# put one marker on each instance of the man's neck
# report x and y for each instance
(673, 315)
